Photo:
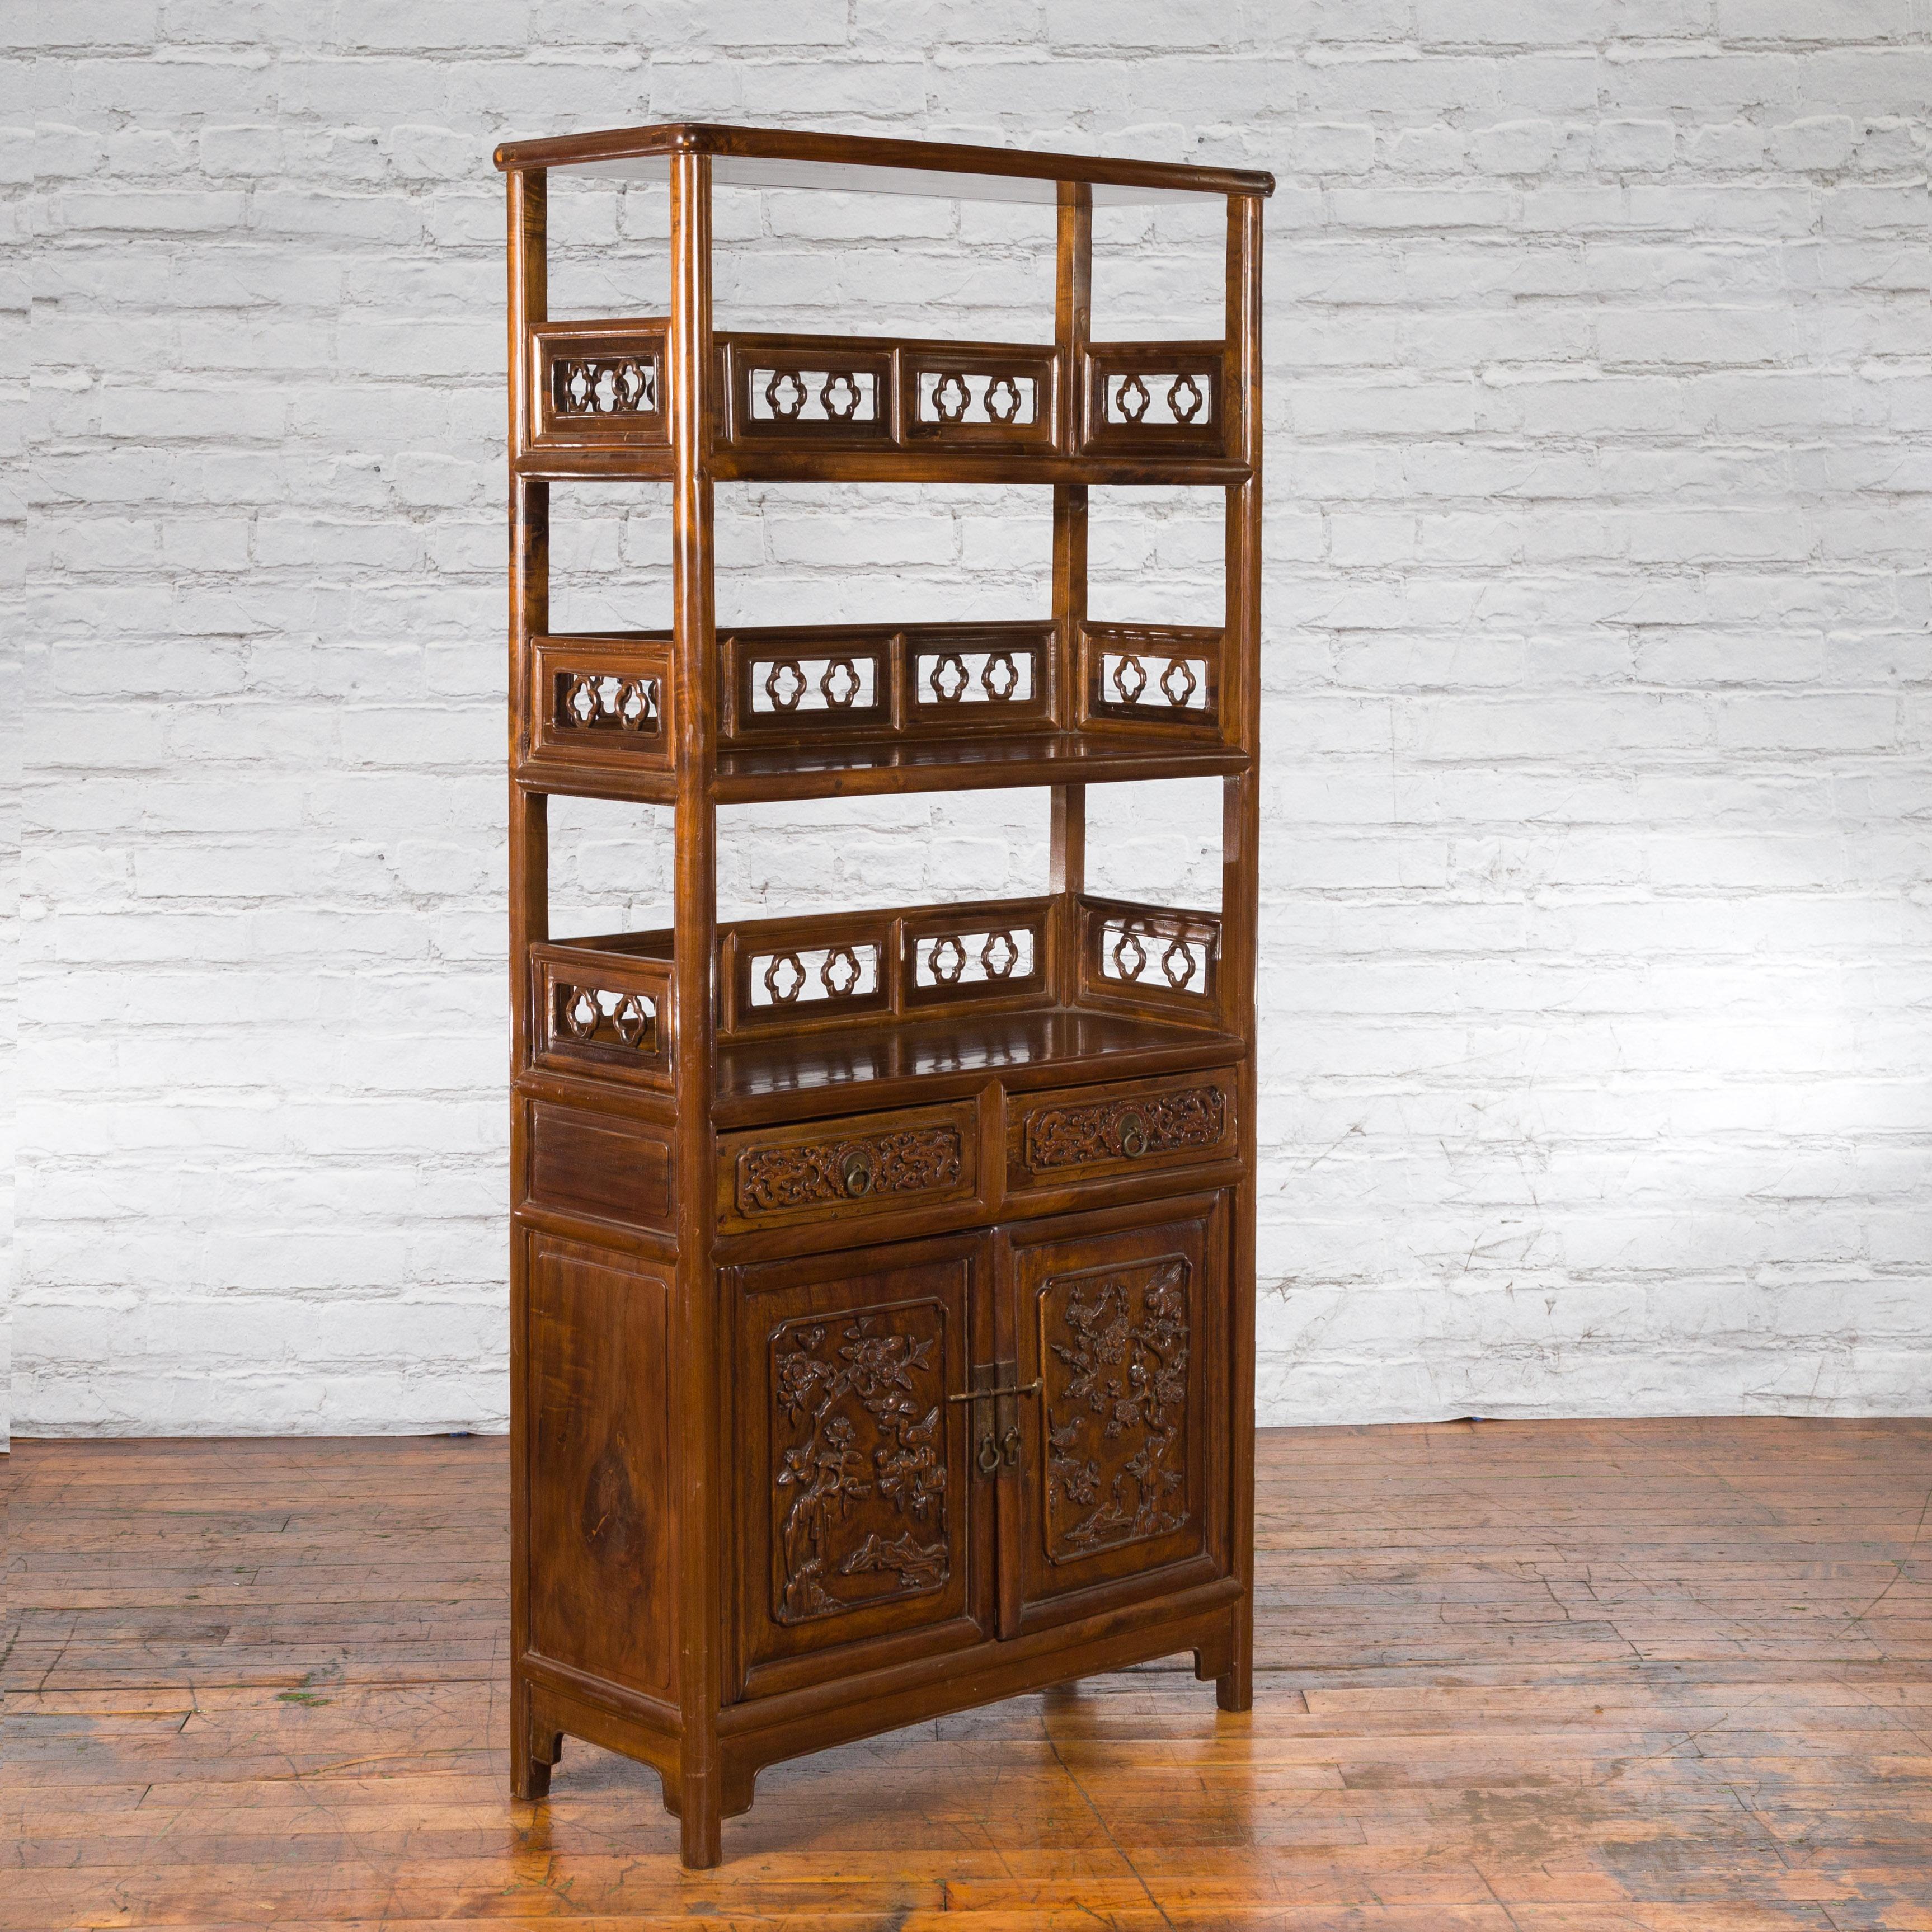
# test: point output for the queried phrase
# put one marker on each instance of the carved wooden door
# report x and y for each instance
(858, 1541)
(1119, 1341)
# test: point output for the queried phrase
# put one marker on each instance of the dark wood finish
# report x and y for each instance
(867, 1205)
(1555, 1677)
(958, 163)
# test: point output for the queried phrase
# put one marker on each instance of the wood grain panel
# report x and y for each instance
(602, 1509)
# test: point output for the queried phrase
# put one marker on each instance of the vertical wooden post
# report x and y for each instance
(1072, 324)
(531, 1755)
(696, 1405)
(1240, 876)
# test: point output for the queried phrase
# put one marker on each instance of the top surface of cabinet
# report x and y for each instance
(777, 157)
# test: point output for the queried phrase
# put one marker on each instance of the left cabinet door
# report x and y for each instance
(858, 1544)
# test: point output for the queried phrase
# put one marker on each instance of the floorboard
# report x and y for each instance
(1658, 1676)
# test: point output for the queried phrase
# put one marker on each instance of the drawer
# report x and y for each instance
(859, 1169)
(1074, 1134)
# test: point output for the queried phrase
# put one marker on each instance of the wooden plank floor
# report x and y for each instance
(1551, 1677)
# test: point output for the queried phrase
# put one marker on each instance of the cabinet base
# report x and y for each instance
(1211, 1622)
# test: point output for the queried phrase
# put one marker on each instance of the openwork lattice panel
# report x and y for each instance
(835, 968)
(602, 1012)
(599, 701)
(1142, 675)
(990, 953)
(597, 384)
(970, 678)
(809, 683)
(970, 396)
(790, 974)
(1154, 396)
(1142, 954)
(810, 390)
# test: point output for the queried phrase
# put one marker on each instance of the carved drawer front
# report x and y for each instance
(858, 1169)
(1076, 1134)
(852, 1455)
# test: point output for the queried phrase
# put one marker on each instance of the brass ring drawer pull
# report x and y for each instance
(1133, 1136)
(855, 1173)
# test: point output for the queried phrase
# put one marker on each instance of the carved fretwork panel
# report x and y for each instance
(597, 384)
(805, 393)
(601, 701)
(1164, 676)
(840, 969)
(1141, 955)
(601, 1013)
(1114, 1349)
(858, 1471)
(965, 397)
(1154, 397)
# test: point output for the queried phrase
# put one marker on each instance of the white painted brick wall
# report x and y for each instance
(1596, 1030)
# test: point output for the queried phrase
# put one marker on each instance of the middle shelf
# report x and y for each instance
(820, 710)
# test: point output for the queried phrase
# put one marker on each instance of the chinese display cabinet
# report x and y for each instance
(882, 1283)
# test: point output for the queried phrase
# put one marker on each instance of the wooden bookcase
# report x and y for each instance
(882, 1283)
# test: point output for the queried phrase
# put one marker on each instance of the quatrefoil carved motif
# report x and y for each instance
(841, 684)
(999, 956)
(840, 973)
(1178, 693)
(950, 395)
(577, 1011)
(1130, 679)
(1001, 677)
(632, 1019)
(1179, 965)
(947, 959)
(785, 394)
(785, 683)
(1129, 956)
(1003, 399)
(1184, 386)
(785, 977)
(950, 678)
(1132, 399)
(845, 405)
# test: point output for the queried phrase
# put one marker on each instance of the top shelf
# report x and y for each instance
(854, 163)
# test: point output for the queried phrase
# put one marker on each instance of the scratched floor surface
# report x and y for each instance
(1558, 1677)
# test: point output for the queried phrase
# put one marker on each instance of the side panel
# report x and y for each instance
(602, 1530)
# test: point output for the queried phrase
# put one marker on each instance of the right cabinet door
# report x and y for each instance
(1119, 1489)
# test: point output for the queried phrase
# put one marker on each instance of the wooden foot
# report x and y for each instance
(700, 1820)
(533, 1749)
(1234, 1689)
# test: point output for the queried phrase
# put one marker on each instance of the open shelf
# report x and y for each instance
(884, 409)
(822, 711)
(939, 1059)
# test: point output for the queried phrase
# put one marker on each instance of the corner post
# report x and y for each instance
(1072, 325)
(1240, 876)
(696, 1403)
(531, 1754)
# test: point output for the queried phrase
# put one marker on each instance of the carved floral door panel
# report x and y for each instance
(1118, 1482)
(856, 1535)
